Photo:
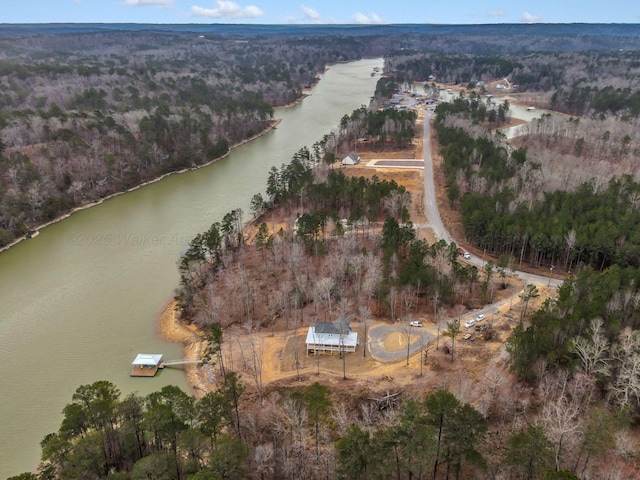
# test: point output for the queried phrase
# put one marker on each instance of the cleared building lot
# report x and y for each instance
(396, 163)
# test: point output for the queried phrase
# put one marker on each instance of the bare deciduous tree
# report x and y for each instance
(625, 389)
(324, 289)
(256, 363)
(263, 460)
(593, 350)
(562, 424)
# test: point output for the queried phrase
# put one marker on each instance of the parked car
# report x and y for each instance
(467, 255)
(470, 323)
(480, 317)
(415, 324)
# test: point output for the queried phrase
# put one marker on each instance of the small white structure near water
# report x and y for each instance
(351, 159)
(146, 364)
(331, 337)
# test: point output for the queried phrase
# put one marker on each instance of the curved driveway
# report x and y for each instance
(377, 336)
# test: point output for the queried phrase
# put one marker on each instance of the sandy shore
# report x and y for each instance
(175, 331)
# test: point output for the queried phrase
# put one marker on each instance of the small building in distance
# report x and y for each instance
(326, 337)
(146, 365)
(352, 159)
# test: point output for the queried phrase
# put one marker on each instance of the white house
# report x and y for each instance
(352, 159)
(331, 337)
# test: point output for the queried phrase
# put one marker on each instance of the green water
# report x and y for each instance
(78, 302)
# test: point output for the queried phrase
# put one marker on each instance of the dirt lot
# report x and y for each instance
(284, 360)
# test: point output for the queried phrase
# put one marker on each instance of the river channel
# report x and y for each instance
(79, 301)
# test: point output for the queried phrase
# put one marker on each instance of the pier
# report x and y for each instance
(148, 364)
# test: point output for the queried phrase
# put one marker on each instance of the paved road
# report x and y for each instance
(433, 214)
(430, 203)
(377, 335)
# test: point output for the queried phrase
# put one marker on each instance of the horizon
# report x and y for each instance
(323, 24)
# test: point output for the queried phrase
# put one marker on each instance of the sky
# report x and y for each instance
(319, 11)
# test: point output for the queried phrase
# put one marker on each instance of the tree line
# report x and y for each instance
(301, 431)
(580, 352)
(452, 68)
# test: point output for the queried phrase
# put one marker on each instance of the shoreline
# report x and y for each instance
(305, 92)
(273, 125)
(171, 329)
(295, 102)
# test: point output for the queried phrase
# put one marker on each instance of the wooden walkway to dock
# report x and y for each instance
(175, 363)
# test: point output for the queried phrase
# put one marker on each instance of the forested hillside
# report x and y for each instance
(517, 202)
(170, 435)
(93, 111)
(83, 116)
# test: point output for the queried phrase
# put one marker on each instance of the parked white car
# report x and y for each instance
(415, 324)
(467, 255)
(480, 317)
(470, 323)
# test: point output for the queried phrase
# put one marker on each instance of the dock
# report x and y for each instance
(148, 364)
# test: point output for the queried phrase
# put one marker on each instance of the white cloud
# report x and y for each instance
(226, 9)
(363, 19)
(498, 13)
(530, 18)
(310, 13)
(148, 3)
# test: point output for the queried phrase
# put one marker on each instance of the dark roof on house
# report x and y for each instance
(324, 327)
(340, 326)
